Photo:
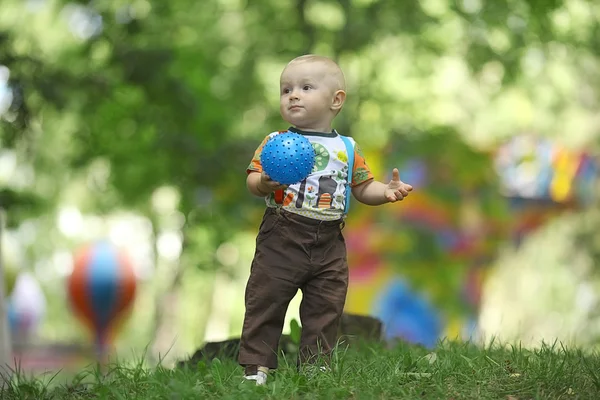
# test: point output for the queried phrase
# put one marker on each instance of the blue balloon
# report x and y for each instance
(288, 158)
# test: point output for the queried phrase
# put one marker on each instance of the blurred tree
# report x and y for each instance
(161, 90)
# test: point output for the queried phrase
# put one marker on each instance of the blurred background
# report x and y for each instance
(128, 124)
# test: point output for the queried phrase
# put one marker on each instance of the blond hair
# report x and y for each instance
(334, 72)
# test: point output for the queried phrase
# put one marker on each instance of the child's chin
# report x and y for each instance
(294, 120)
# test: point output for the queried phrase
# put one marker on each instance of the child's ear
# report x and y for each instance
(338, 100)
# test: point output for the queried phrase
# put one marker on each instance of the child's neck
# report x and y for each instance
(324, 129)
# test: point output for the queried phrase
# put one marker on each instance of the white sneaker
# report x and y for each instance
(260, 378)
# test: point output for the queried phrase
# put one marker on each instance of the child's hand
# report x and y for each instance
(396, 190)
(267, 185)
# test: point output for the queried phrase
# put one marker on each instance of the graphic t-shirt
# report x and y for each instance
(322, 195)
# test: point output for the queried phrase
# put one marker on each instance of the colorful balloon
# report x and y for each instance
(26, 307)
(288, 158)
(101, 289)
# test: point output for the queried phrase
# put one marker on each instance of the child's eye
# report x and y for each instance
(306, 87)
(286, 91)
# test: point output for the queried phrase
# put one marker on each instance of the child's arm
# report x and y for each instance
(259, 184)
(375, 193)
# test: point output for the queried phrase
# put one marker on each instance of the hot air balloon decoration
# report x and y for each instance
(101, 290)
(26, 307)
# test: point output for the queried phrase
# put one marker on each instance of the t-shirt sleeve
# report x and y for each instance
(361, 172)
(255, 165)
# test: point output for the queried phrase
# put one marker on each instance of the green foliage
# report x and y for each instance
(161, 95)
(20, 205)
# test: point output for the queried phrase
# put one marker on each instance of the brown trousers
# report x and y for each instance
(294, 252)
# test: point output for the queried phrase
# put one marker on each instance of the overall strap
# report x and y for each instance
(350, 152)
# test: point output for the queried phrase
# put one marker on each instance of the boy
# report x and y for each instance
(300, 243)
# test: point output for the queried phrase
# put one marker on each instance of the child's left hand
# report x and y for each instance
(396, 190)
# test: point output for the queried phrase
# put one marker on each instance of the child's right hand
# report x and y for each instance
(267, 185)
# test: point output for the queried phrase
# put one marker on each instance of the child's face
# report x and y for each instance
(308, 96)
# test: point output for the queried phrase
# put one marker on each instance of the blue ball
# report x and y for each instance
(288, 158)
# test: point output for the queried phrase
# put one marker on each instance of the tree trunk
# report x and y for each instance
(5, 343)
(166, 306)
(219, 318)
(165, 318)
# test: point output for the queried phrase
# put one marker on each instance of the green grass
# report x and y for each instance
(451, 371)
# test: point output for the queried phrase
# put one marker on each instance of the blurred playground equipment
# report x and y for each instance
(420, 266)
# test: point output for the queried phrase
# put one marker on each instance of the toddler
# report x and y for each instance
(300, 243)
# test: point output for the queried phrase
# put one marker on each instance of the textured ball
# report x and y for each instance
(288, 158)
